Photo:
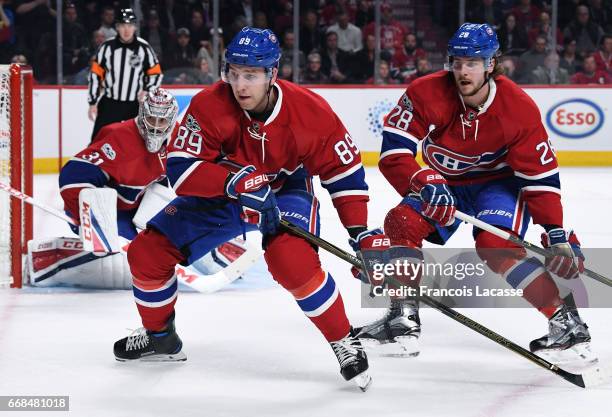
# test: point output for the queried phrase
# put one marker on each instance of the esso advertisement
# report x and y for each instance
(575, 118)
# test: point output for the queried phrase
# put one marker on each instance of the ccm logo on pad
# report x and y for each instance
(575, 118)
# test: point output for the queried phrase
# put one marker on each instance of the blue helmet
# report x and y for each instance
(254, 48)
(474, 40)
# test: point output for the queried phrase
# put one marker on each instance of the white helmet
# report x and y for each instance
(156, 118)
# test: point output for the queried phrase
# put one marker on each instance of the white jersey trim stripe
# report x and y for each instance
(537, 176)
(541, 188)
(394, 152)
(347, 193)
(185, 174)
(342, 175)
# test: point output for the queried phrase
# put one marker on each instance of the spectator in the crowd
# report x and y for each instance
(335, 63)
(486, 11)
(286, 71)
(509, 67)
(34, 18)
(284, 19)
(544, 28)
(363, 61)
(198, 31)
(206, 53)
(287, 51)
(349, 35)
(204, 73)
(550, 72)
(108, 22)
(7, 32)
(586, 32)
(533, 58)
(590, 74)
(243, 8)
(156, 35)
(603, 57)
(310, 34)
(313, 73)
(364, 13)
(405, 58)
(90, 15)
(527, 14)
(260, 20)
(600, 14)
(182, 53)
(513, 38)
(570, 61)
(392, 32)
(423, 68)
(384, 75)
(330, 13)
(75, 47)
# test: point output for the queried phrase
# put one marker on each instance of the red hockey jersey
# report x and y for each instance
(505, 137)
(302, 138)
(118, 158)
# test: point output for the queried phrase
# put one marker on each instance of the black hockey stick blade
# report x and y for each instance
(591, 377)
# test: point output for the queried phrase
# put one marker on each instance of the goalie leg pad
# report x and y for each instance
(295, 265)
(152, 259)
(520, 271)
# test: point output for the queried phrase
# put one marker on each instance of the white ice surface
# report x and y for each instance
(252, 352)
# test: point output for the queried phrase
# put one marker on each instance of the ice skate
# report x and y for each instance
(396, 333)
(353, 360)
(146, 346)
(568, 339)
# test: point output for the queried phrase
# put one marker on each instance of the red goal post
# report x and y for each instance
(16, 161)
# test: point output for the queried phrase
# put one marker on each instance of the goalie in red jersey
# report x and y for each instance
(244, 155)
(488, 155)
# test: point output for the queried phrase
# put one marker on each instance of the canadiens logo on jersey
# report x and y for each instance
(452, 163)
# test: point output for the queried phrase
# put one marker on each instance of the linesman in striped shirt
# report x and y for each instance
(124, 70)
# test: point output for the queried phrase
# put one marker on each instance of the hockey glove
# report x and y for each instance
(568, 260)
(253, 192)
(438, 201)
(372, 241)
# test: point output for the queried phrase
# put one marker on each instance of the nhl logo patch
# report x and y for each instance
(192, 124)
(471, 115)
(256, 127)
(135, 61)
(108, 150)
(406, 102)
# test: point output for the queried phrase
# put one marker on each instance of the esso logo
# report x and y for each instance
(575, 118)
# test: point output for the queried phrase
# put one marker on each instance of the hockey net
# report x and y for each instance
(15, 169)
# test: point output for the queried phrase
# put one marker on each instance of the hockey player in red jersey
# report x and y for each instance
(126, 156)
(487, 154)
(245, 155)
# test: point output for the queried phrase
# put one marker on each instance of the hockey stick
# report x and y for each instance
(185, 275)
(515, 239)
(591, 377)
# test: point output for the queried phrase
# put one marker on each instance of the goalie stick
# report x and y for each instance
(185, 275)
(591, 377)
(530, 246)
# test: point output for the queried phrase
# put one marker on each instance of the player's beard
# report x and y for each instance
(473, 91)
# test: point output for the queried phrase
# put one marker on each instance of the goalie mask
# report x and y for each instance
(156, 118)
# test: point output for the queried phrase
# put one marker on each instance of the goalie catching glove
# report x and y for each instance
(568, 260)
(253, 192)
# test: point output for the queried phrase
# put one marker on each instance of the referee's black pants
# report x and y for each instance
(112, 111)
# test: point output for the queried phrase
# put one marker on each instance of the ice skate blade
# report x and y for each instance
(175, 357)
(401, 347)
(363, 381)
(579, 354)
